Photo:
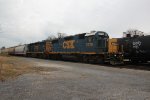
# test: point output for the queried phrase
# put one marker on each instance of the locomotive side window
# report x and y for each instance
(81, 36)
(90, 39)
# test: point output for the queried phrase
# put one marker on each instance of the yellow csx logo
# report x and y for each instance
(68, 44)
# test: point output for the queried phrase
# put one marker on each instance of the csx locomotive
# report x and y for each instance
(95, 47)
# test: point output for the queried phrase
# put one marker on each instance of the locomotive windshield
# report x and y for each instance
(101, 39)
(102, 34)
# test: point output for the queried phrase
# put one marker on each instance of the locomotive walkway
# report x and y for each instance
(77, 81)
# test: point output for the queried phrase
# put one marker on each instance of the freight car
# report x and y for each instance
(21, 50)
(4, 51)
(136, 49)
(11, 50)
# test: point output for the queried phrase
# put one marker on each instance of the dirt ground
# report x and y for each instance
(12, 67)
(39, 79)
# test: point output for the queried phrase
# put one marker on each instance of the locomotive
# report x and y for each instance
(95, 47)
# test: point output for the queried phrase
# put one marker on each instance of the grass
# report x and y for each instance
(4, 54)
(11, 67)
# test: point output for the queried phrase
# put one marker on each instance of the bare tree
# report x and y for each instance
(51, 37)
(3, 48)
(61, 35)
(133, 32)
(19, 44)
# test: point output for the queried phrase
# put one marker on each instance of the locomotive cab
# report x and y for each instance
(98, 40)
(102, 40)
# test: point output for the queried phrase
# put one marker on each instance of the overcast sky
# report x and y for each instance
(25, 21)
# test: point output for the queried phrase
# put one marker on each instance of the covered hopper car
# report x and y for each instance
(21, 50)
(11, 50)
(4, 51)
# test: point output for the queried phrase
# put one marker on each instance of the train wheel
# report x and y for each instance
(100, 61)
(112, 62)
(134, 61)
(85, 59)
(144, 61)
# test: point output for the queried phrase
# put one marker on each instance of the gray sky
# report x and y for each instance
(25, 21)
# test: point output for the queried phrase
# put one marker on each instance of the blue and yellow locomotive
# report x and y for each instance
(95, 47)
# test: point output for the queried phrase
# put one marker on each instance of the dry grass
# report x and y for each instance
(11, 67)
(4, 54)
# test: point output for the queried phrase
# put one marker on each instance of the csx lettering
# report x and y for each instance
(68, 44)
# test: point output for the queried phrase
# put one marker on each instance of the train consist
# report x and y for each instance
(95, 47)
